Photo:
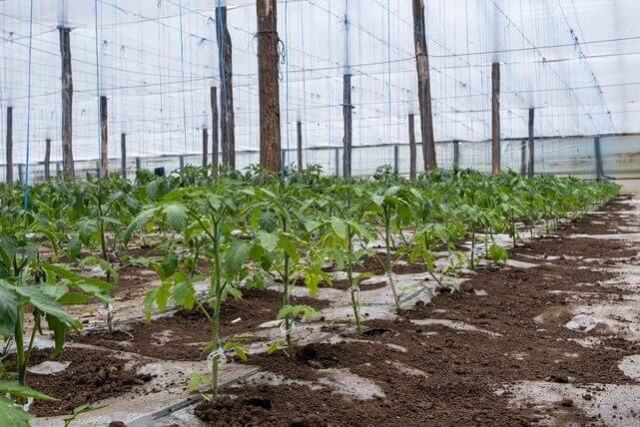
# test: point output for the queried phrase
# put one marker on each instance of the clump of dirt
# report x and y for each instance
(92, 376)
(184, 335)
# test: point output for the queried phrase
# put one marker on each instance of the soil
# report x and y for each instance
(92, 376)
(375, 264)
(184, 335)
(449, 376)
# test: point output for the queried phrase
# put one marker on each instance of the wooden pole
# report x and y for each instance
(424, 86)
(412, 147)
(495, 118)
(9, 140)
(269, 92)
(531, 143)
(104, 137)
(123, 155)
(347, 117)
(47, 159)
(225, 64)
(456, 156)
(598, 155)
(67, 104)
(214, 129)
(205, 147)
(299, 145)
(523, 158)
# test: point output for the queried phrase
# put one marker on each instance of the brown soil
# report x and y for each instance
(375, 264)
(459, 371)
(92, 376)
(184, 335)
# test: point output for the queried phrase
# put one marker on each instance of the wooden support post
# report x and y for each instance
(495, 118)
(225, 64)
(347, 117)
(337, 160)
(412, 147)
(523, 158)
(123, 155)
(58, 168)
(215, 161)
(138, 163)
(104, 137)
(424, 86)
(21, 173)
(299, 145)
(67, 104)
(47, 159)
(598, 155)
(268, 59)
(181, 163)
(9, 141)
(456, 156)
(396, 159)
(205, 147)
(531, 143)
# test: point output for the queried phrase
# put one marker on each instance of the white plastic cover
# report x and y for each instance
(574, 61)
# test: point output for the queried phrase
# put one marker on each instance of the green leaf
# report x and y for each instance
(286, 243)
(12, 415)
(268, 241)
(8, 312)
(339, 227)
(47, 305)
(58, 329)
(74, 247)
(236, 257)
(176, 215)
(86, 228)
(15, 389)
(139, 221)
(184, 294)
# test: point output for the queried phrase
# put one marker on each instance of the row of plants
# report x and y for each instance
(252, 229)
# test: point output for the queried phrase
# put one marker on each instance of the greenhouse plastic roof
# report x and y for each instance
(574, 61)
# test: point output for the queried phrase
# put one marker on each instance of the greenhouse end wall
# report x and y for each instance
(575, 156)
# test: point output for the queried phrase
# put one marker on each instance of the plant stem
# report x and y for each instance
(286, 299)
(20, 356)
(387, 266)
(355, 303)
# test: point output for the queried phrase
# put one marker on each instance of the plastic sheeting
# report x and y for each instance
(574, 61)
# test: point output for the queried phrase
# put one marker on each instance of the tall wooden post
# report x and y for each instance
(123, 155)
(523, 158)
(424, 86)
(299, 144)
(214, 129)
(104, 136)
(598, 155)
(205, 147)
(47, 159)
(9, 141)
(412, 147)
(456, 156)
(347, 117)
(225, 64)
(67, 104)
(531, 143)
(269, 91)
(495, 118)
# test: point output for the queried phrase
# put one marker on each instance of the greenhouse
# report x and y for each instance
(319, 212)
